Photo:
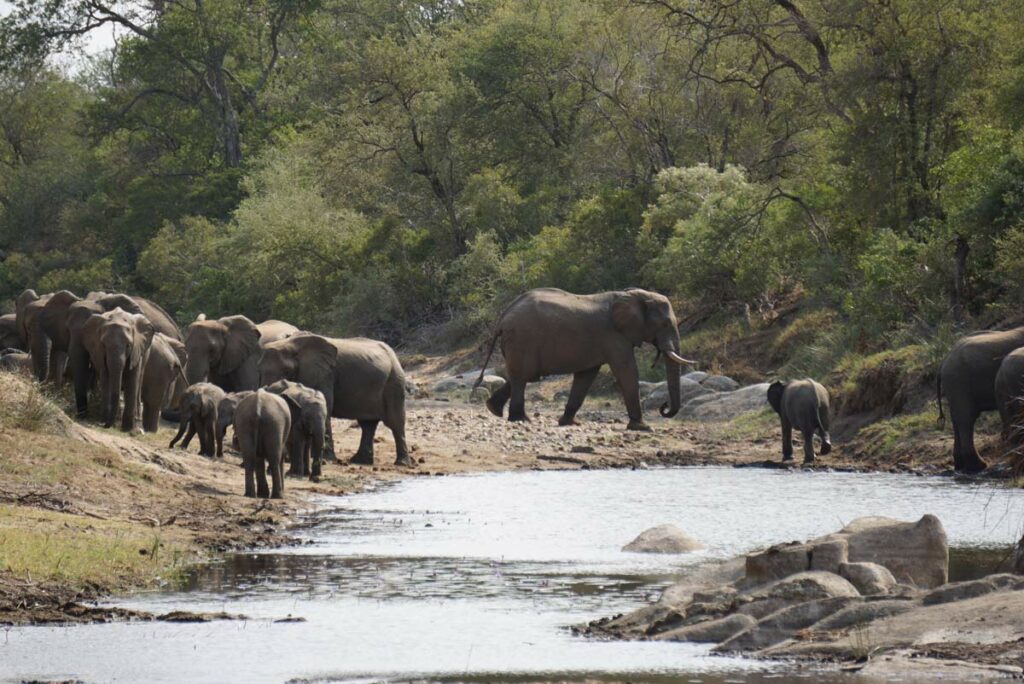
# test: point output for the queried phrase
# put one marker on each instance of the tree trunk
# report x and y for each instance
(960, 293)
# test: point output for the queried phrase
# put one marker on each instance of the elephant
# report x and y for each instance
(549, 331)
(1009, 391)
(164, 369)
(198, 410)
(15, 361)
(9, 337)
(309, 425)
(804, 405)
(118, 344)
(968, 376)
(226, 351)
(226, 416)
(262, 423)
(360, 379)
(28, 319)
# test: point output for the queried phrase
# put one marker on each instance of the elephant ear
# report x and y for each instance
(90, 336)
(317, 358)
(628, 317)
(241, 341)
(53, 317)
(144, 333)
(775, 391)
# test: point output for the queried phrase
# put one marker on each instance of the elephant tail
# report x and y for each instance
(487, 359)
(938, 397)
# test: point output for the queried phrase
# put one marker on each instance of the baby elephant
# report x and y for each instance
(199, 405)
(309, 421)
(226, 416)
(262, 423)
(801, 404)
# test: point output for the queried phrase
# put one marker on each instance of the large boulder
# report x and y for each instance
(869, 578)
(657, 394)
(720, 383)
(776, 562)
(727, 405)
(695, 376)
(916, 553)
(802, 587)
(663, 539)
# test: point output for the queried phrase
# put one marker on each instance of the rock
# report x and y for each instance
(958, 591)
(720, 383)
(663, 539)
(493, 383)
(781, 560)
(695, 376)
(812, 585)
(465, 381)
(869, 578)
(479, 395)
(727, 405)
(914, 552)
(829, 554)
(688, 390)
(782, 624)
(710, 631)
(861, 612)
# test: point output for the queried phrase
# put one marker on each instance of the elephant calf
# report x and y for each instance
(309, 427)
(262, 423)
(803, 404)
(199, 405)
(226, 416)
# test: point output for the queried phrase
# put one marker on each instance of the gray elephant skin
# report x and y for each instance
(226, 416)
(28, 315)
(164, 369)
(309, 427)
(9, 337)
(360, 379)
(550, 332)
(226, 351)
(262, 423)
(199, 405)
(967, 377)
(15, 361)
(804, 405)
(118, 345)
(1009, 390)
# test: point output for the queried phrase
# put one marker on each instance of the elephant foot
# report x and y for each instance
(330, 456)
(826, 448)
(787, 459)
(495, 408)
(518, 419)
(361, 459)
(405, 461)
(638, 426)
(808, 461)
(566, 422)
(973, 465)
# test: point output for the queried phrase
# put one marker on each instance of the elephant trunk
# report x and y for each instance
(197, 368)
(112, 392)
(40, 347)
(672, 374)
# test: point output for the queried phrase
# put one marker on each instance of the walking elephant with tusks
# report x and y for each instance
(549, 332)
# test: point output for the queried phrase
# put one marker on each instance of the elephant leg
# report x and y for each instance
(316, 447)
(150, 416)
(787, 441)
(496, 402)
(58, 364)
(250, 477)
(81, 377)
(965, 455)
(262, 489)
(364, 456)
(132, 398)
(188, 436)
(808, 446)
(517, 405)
(210, 435)
(182, 426)
(394, 419)
(581, 383)
(277, 474)
(221, 430)
(628, 378)
(826, 443)
(329, 453)
(295, 444)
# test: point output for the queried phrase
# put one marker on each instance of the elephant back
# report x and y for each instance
(161, 320)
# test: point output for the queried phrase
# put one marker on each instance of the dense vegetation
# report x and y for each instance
(391, 167)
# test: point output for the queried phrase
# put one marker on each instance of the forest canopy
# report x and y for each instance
(388, 167)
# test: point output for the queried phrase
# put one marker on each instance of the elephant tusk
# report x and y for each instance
(679, 359)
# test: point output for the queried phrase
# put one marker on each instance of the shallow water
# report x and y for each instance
(478, 577)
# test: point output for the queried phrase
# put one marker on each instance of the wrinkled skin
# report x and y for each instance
(360, 379)
(16, 361)
(226, 351)
(1009, 391)
(262, 423)
(309, 427)
(804, 405)
(164, 368)
(550, 332)
(226, 416)
(9, 337)
(118, 344)
(967, 377)
(199, 414)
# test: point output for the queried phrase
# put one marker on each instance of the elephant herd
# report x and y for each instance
(279, 386)
(275, 384)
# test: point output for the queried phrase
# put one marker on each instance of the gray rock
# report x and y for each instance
(861, 612)
(688, 390)
(799, 588)
(829, 554)
(914, 552)
(720, 383)
(958, 591)
(727, 405)
(776, 562)
(465, 381)
(663, 539)
(710, 631)
(869, 578)
(782, 624)
(695, 376)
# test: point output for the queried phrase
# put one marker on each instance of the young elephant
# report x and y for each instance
(262, 423)
(309, 421)
(226, 416)
(199, 414)
(803, 404)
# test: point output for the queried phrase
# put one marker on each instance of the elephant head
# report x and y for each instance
(304, 357)
(118, 343)
(643, 316)
(775, 391)
(20, 306)
(221, 347)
